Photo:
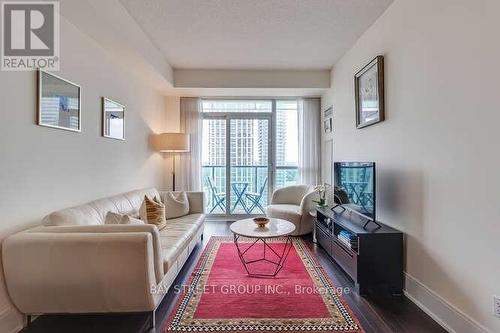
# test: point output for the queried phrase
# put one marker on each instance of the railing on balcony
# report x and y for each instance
(249, 190)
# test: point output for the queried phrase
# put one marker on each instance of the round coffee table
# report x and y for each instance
(275, 228)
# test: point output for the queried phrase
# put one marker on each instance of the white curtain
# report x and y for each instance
(188, 168)
(309, 141)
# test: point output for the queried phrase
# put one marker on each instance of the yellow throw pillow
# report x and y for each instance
(153, 212)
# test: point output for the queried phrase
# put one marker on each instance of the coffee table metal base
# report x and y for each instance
(277, 263)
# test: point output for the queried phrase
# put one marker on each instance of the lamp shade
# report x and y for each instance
(172, 142)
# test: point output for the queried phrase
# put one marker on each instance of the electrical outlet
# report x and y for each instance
(496, 306)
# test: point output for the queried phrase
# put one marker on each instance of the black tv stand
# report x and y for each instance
(371, 221)
(368, 221)
(336, 206)
(374, 261)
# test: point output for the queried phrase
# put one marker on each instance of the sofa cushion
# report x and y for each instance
(153, 212)
(115, 218)
(180, 223)
(172, 251)
(137, 197)
(176, 204)
(95, 212)
(176, 236)
(286, 212)
(81, 215)
(102, 207)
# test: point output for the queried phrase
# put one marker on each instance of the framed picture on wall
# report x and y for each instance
(328, 125)
(113, 119)
(328, 120)
(59, 102)
(369, 93)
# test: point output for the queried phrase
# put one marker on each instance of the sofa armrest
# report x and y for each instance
(114, 228)
(65, 272)
(307, 203)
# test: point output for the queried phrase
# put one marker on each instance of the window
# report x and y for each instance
(239, 173)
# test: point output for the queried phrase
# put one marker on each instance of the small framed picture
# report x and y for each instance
(59, 102)
(328, 125)
(113, 119)
(369, 93)
(328, 120)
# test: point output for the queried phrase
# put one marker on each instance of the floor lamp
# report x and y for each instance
(173, 143)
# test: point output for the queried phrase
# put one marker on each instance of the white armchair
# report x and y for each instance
(293, 204)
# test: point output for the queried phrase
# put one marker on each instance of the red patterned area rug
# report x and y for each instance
(221, 297)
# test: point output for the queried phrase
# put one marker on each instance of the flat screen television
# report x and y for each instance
(355, 187)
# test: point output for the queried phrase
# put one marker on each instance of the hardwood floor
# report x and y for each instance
(376, 314)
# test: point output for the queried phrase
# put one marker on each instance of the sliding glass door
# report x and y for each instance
(214, 168)
(240, 151)
(249, 165)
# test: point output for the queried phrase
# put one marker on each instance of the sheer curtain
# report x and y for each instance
(309, 141)
(189, 167)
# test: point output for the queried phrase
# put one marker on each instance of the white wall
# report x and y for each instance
(437, 154)
(254, 79)
(110, 24)
(45, 169)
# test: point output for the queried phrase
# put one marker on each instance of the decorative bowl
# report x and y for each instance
(261, 221)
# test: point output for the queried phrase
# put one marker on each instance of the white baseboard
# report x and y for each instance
(11, 321)
(445, 314)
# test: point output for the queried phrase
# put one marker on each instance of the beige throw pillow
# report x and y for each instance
(176, 204)
(115, 218)
(153, 212)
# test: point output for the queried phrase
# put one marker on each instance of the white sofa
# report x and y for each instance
(74, 263)
(293, 203)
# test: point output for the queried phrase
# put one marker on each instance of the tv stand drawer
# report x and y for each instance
(324, 240)
(346, 259)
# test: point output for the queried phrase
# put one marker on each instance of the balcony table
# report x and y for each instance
(239, 189)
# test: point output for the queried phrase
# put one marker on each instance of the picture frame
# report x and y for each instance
(328, 120)
(328, 125)
(59, 102)
(369, 93)
(113, 119)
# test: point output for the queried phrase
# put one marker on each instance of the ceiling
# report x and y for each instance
(254, 34)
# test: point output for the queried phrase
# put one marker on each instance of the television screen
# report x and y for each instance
(355, 187)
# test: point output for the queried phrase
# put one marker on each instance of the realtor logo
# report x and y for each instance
(30, 35)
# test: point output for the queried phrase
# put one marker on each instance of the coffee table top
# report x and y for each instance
(275, 228)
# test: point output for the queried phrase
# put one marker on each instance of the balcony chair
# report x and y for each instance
(218, 198)
(293, 203)
(255, 197)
